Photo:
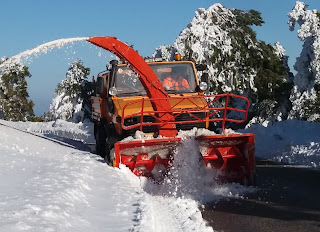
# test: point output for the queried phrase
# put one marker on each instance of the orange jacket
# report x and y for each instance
(171, 83)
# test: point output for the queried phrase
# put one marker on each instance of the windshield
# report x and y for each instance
(127, 82)
(175, 77)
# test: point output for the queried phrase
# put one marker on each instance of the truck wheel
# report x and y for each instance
(253, 179)
(102, 144)
(249, 181)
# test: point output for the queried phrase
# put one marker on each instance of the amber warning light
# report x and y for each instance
(177, 57)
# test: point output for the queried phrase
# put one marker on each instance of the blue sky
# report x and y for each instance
(146, 24)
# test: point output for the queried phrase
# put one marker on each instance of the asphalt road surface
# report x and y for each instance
(287, 199)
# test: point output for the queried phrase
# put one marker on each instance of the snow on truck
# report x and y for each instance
(161, 98)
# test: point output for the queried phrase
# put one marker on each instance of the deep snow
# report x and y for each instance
(47, 185)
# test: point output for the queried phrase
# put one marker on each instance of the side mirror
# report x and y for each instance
(113, 91)
(100, 85)
(205, 77)
(203, 86)
(201, 67)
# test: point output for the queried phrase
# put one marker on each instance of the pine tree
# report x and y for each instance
(305, 95)
(14, 103)
(72, 101)
(223, 40)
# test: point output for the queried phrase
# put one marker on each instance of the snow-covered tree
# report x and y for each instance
(269, 110)
(305, 95)
(14, 102)
(72, 101)
(222, 40)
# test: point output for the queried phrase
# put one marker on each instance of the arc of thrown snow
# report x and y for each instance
(43, 48)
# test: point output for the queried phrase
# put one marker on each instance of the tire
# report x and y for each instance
(249, 181)
(102, 143)
(112, 157)
(253, 179)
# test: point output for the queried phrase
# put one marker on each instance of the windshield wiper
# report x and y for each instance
(171, 91)
(136, 93)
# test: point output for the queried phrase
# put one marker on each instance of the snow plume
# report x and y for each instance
(188, 182)
(43, 48)
(304, 93)
(16, 62)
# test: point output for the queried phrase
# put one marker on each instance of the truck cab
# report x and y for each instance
(120, 86)
(120, 104)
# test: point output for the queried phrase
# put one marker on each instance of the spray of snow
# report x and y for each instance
(43, 48)
(187, 187)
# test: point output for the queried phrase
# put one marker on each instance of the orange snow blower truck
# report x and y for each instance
(153, 101)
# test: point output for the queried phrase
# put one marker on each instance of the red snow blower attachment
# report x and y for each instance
(153, 101)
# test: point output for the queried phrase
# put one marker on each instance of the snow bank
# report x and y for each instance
(291, 141)
(49, 187)
(82, 131)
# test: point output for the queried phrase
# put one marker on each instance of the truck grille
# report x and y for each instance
(136, 120)
(188, 117)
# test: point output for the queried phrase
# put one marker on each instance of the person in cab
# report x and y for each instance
(175, 81)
